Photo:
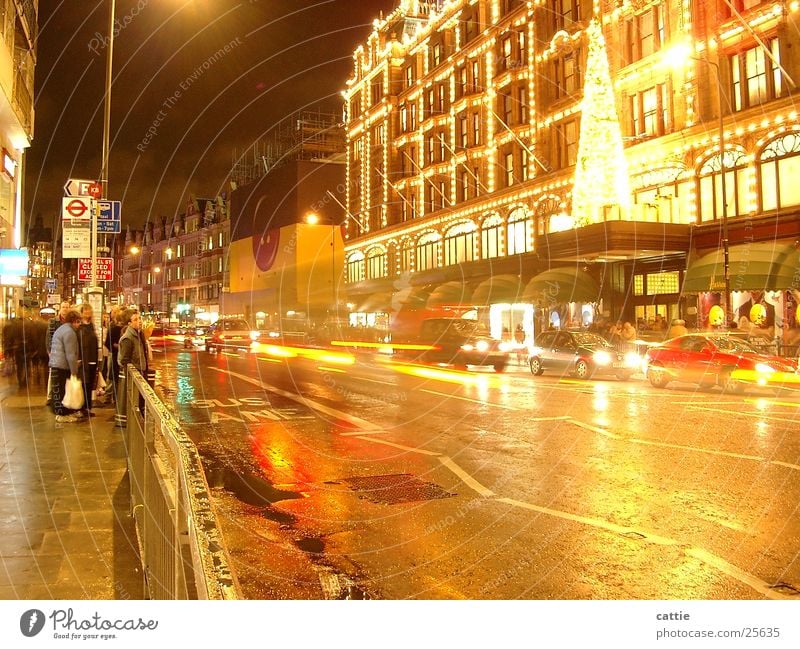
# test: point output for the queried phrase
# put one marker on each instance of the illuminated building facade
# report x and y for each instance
(464, 128)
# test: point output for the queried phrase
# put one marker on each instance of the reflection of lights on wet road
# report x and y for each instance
(448, 376)
(322, 368)
(322, 355)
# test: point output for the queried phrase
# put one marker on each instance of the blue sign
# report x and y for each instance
(13, 262)
(51, 284)
(110, 219)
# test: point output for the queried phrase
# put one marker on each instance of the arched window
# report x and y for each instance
(406, 256)
(518, 232)
(355, 267)
(428, 251)
(779, 171)
(491, 237)
(550, 217)
(709, 195)
(376, 263)
(459, 244)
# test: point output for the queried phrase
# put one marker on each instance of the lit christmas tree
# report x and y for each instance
(601, 172)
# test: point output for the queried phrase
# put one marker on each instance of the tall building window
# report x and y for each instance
(459, 244)
(413, 116)
(522, 101)
(491, 235)
(645, 33)
(406, 257)
(464, 185)
(565, 12)
(463, 131)
(475, 69)
(409, 75)
(650, 111)
(428, 252)
(355, 267)
(404, 118)
(461, 81)
(709, 195)
(525, 166)
(436, 54)
(567, 75)
(756, 79)
(509, 168)
(518, 232)
(565, 140)
(779, 169)
(506, 53)
(376, 263)
(506, 106)
(476, 129)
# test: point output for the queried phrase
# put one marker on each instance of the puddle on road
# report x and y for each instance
(311, 545)
(277, 516)
(250, 489)
(335, 584)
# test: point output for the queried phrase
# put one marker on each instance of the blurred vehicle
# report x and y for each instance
(194, 337)
(164, 339)
(580, 353)
(462, 342)
(230, 333)
(710, 359)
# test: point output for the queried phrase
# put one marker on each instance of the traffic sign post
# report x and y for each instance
(105, 269)
(77, 207)
(78, 187)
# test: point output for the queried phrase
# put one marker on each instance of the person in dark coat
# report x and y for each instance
(88, 345)
(133, 350)
(112, 344)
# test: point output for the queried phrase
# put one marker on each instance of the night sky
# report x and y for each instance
(283, 55)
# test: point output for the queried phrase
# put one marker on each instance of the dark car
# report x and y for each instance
(710, 359)
(461, 342)
(165, 339)
(580, 353)
(230, 333)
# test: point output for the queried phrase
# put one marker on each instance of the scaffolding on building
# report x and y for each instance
(305, 135)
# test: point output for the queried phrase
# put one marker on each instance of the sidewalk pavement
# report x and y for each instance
(65, 525)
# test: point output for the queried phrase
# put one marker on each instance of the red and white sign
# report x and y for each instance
(95, 190)
(105, 269)
(76, 207)
(78, 187)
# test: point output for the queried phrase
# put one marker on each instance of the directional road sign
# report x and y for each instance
(110, 219)
(78, 187)
(76, 207)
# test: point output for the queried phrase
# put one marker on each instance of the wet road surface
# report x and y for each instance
(342, 477)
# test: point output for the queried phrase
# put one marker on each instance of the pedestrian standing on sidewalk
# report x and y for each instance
(88, 343)
(112, 343)
(132, 351)
(52, 327)
(64, 362)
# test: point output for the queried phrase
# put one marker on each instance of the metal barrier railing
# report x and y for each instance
(181, 545)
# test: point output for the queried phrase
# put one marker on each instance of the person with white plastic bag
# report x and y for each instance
(63, 365)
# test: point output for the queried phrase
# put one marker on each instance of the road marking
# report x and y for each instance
(466, 478)
(371, 432)
(700, 554)
(322, 368)
(739, 456)
(601, 431)
(230, 354)
(268, 360)
(305, 401)
(795, 467)
(482, 403)
(746, 414)
(394, 385)
(559, 418)
(788, 404)
(400, 446)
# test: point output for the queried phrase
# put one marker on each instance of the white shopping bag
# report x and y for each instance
(73, 394)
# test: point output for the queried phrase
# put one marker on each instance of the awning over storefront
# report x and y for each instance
(752, 267)
(561, 286)
(497, 290)
(376, 303)
(449, 294)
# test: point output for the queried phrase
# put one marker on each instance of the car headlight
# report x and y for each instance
(505, 347)
(602, 358)
(763, 368)
(254, 335)
(482, 346)
(467, 347)
(632, 359)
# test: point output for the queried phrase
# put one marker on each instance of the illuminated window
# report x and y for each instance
(756, 79)
(461, 81)
(509, 168)
(522, 102)
(357, 149)
(428, 252)
(565, 143)
(377, 90)
(663, 283)
(464, 185)
(650, 110)
(567, 75)
(475, 80)
(645, 33)
(709, 193)
(355, 267)
(565, 12)
(436, 54)
(506, 54)
(404, 118)
(376, 263)
(518, 232)
(491, 234)
(476, 129)
(406, 257)
(506, 106)
(409, 75)
(459, 244)
(779, 169)
(463, 131)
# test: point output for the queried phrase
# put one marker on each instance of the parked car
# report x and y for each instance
(230, 333)
(165, 339)
(580, 353)
(710, 359)
(462, 342)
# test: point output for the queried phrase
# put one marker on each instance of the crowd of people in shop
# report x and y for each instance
(59, 346)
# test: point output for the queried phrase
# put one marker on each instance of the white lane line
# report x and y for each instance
(739, 456)
(770, 402)
(371, 432)
(269, 360)
(361, 378)
(400, 446)
(595, 429)
(700, 554)
(323, 368)
(482, 403)
(795, 467)
(736, 573)
(365, 425)
(230, 354)
(559, 418)
(466, 478)
(746, 414)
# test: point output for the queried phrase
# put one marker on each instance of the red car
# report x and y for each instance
(710, 359)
